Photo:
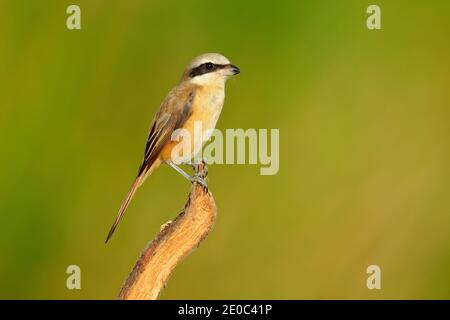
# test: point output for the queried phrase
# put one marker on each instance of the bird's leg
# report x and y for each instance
(195, 165)
(194, 178)
(178, 169)
(195, 162)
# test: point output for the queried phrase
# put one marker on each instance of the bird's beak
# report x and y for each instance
(233, 69)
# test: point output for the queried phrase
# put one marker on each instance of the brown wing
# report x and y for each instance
(172, 114)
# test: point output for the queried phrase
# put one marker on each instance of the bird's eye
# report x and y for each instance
(209, 66)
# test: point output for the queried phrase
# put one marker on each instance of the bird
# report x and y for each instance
(198, 98)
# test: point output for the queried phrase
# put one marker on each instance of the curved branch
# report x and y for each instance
(174, 242)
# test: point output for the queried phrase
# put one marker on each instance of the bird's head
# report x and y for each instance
(209, 69)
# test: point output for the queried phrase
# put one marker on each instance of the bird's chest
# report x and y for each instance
(205, 112)
(207, 108)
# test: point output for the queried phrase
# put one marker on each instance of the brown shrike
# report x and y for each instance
(198, 98)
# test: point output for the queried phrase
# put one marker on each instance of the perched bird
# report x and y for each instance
(197, 98)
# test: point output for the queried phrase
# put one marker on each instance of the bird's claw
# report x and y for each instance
(196, 178)
(200, 167)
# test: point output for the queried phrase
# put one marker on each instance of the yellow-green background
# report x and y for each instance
(364, 147)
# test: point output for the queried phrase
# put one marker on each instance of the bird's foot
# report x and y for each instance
(200, 168)
(200, 179)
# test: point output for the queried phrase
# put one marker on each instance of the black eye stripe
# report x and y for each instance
(205, 68)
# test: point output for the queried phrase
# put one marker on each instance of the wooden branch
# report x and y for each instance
(173, 243)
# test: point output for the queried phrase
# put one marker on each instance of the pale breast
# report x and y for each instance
(206, 109)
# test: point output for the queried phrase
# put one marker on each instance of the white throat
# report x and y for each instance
(213, 79)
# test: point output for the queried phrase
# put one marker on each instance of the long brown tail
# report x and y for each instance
(124, 206)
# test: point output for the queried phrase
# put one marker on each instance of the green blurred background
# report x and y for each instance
(364, 147)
